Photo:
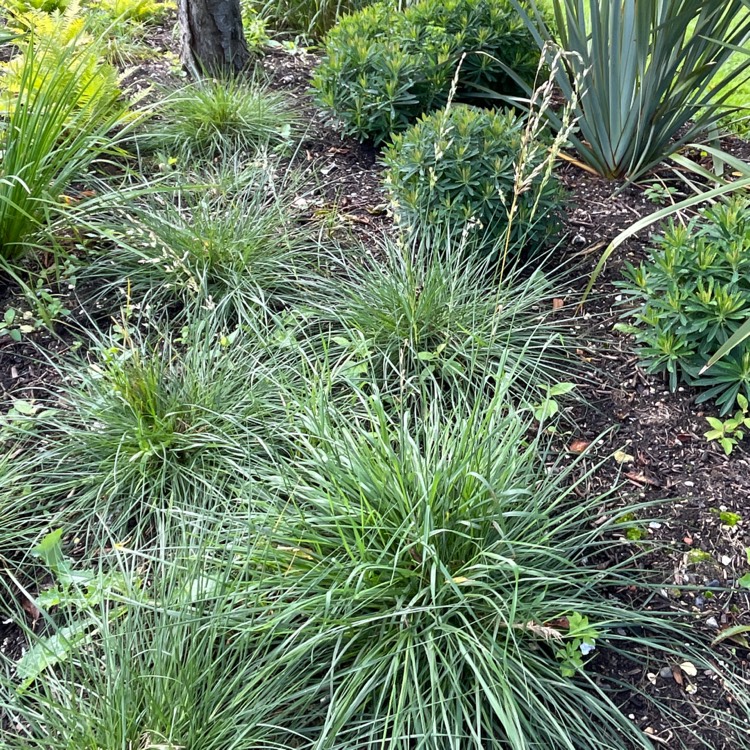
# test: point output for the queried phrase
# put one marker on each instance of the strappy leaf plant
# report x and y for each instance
(651, 74)
(59, 105)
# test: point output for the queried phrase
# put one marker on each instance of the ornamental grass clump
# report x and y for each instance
(692, 294)
(212, 118)
(147, 657)
(433, 311)
(440, 578)
(143, 426)
(458, 169)
(231, 243)
(384, 68)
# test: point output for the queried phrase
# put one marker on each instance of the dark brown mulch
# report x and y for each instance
(665, 460)
(345, 173)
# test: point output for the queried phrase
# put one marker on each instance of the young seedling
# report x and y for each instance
(730, 431)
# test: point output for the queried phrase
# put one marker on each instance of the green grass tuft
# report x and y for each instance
(212, 118)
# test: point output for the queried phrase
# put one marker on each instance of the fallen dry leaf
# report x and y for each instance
(622, 457)
(689, 669)
(639, 477)
(31, 609)
(578, 446)
(544, 631)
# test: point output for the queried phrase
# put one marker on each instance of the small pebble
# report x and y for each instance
(666, 673)
(699, 602)
(654, 525)
(711, 622)
(725, 559)
(714, 584)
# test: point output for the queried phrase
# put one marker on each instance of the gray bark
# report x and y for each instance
(213, 41)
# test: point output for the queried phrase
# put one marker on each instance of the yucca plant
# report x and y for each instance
(650, 74)
(59, 111)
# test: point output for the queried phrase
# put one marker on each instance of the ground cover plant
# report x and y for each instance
(310, 17)
(384, 67)
(284, 464)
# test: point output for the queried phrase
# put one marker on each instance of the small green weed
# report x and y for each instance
(728, 518)
(728, 432)
(698, 556)
(76, 591)
(659, 193)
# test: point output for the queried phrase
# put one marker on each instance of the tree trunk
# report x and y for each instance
(213, 41)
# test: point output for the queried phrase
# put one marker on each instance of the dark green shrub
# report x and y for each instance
(694, 293)
(383, 68)
(456, 168)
